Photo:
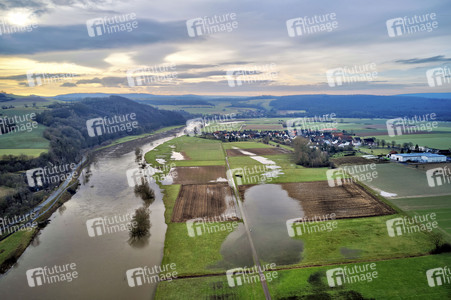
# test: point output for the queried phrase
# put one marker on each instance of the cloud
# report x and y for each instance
(434, 59)
(105, 81)
(68, 84)
(75, 37)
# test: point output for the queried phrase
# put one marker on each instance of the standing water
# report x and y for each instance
(101, 261)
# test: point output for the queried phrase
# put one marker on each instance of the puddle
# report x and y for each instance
(177, 156)
(161, 161)
(350, 253)
(267, 207)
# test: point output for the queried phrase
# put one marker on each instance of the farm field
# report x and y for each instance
(396, 279)
(440, 205)
(21, 141)
(203, 201)
(199, 175)
(435, 139)
(346, 201)
(405, 181)
(207, 254)
(256, 151)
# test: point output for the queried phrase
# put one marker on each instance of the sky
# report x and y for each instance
(216, 47)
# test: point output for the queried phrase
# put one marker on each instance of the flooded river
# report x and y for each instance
(101, 261)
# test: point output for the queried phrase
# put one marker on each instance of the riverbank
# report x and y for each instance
(12, 247)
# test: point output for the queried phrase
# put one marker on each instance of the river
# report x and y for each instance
(101, 261)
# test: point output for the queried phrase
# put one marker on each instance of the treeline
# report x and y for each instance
(69, 139)
(365, 106)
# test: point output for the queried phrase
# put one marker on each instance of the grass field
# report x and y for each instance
(356, 240)
(327, 247)
(405, 181)
(291, 171)
(199, 151)
(14, 244)
(440, 205)
(215, 287)
(396, 279)
(24, 140)
(434, 140)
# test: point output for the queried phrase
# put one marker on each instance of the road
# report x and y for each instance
(246, 226)
(37, 210)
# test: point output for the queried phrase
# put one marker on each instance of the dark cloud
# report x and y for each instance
(434, 59)
(68, 84)
(106, 81)
(201, 74)
(75, 37)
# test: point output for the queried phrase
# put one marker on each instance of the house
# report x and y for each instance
(418, 157)
(369, 141)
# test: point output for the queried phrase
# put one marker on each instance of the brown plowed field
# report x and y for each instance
(199, 175)
(203, 201)
(347, 201)
(258, 151)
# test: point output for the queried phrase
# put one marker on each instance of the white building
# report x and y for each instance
(418, 157)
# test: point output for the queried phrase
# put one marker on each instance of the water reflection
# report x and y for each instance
(267, 207)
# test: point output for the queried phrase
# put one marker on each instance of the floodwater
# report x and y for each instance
(101, 261)
(267, 207)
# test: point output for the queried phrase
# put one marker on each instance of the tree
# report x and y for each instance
(140, 223)
(383, 142)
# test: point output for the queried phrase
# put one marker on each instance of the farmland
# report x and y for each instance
(359, 211)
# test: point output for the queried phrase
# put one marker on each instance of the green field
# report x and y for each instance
(200, 152)
(440, 205)
(291, 172)
(396, 279)
(215, 287)
(405, 181)
(356, 240)
(434, 140)
(25, 140)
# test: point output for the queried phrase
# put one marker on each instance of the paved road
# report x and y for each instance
(37, 210)
(246, 226)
